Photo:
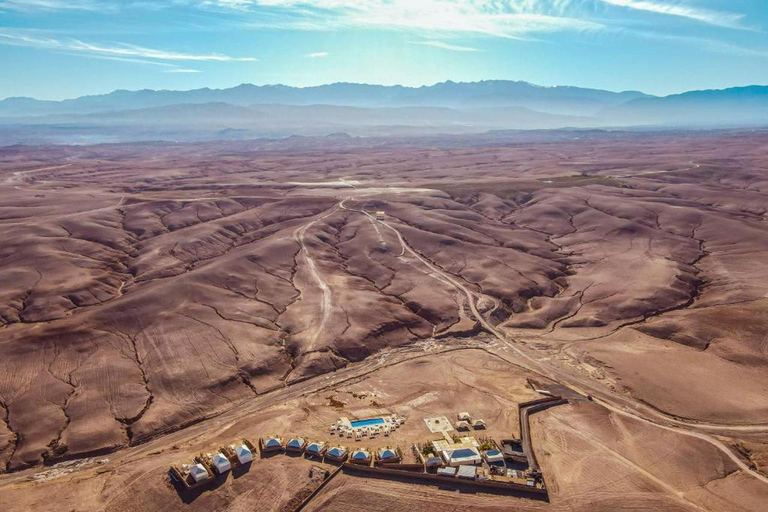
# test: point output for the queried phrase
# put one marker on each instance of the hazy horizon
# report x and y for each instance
(374, 84)
(659, 47)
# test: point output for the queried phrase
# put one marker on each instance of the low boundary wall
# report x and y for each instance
(317, 490)
(487, 486)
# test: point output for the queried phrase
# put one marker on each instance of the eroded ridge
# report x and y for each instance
(146, 294)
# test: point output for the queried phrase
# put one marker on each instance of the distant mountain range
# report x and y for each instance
(489, 93)
(249, 111)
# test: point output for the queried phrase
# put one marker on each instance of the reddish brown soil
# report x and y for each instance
(147, 287)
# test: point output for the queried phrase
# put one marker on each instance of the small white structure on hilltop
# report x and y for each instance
(244, 454)
(380, 214)
(198, 473)
(221, 463)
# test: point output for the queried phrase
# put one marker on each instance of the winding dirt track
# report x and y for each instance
(326, 302)
(599, 395)
(616, 403)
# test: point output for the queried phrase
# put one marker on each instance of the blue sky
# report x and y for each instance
(53, 49)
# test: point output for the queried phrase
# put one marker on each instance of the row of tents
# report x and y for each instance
(323, 451)
(205, 467)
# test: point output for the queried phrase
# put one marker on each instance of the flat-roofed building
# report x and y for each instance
(455, 453)
(433, 462)
(493, 456)
(467, 472)
(462, 456)
(446, 471)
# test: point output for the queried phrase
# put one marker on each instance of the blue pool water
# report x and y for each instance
(367, 423)
(462, 452)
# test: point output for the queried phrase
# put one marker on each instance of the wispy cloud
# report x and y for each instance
(150, 53)
(501, 18)
(119, 51)
(446, 46)
(182, 70)
(51, 5)
(318, 55)
(710, 45)
(708, 16)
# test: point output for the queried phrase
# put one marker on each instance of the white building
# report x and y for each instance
(316, 449)
(244, 455)
(198, 473)
(467, 472)
(388, 454)
(337, 453)
(361, 456)
(221, 463)
(296, 444)
(493, 456)
(446, 471)
(462, 455)
(272, 444)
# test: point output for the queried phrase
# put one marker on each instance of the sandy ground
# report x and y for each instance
(592, 459)
(151, 288)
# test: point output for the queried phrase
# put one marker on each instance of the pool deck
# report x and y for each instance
(356, 424)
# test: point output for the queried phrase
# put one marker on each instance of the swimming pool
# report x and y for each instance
(367, 423)
(462, 453)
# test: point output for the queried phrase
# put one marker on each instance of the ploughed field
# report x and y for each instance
(147, 287)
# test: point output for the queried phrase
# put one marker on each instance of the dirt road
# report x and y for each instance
(600, 395)
(326, 301)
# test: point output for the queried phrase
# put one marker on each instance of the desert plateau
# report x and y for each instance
(162, 299)
(383, 256)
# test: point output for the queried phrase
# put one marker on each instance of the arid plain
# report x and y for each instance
(158, 299)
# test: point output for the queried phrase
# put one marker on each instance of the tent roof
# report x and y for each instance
(198, 472)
